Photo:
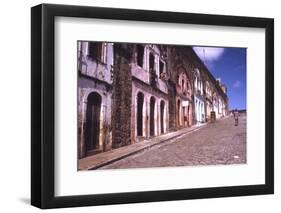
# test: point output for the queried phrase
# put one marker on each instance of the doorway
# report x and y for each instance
(179, 105)
(92, 130)
(140, 98)
(152, 121)
(162, 106)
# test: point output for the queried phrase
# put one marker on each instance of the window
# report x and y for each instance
(161, 67)
(195, 83)
(207, 88)
(151, 61)
(140, 53)
(97, 51)
(162, 72)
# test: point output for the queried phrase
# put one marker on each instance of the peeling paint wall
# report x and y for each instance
(94, 77)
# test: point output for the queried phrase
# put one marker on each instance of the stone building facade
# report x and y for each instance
(149, 115)
(181, 88)
(95, 63)
(128, 93)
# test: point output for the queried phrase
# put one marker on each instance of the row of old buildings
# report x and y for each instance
(128, 93)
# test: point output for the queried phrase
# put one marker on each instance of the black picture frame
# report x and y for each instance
(43, 105)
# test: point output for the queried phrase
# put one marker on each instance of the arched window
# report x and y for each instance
(198, 84)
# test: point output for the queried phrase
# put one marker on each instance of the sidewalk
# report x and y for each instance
(105, 158)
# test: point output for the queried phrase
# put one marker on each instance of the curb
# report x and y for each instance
(144, 148)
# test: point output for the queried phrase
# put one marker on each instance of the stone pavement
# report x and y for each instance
(105, 158)
(217, 143)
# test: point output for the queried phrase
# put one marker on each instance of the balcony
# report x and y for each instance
(162, 86)
(149, 78)
(140, 73)
(96, 69)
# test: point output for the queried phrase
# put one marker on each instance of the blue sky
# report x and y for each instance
(228, 64)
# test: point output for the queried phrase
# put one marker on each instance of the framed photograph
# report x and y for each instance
(140, 106)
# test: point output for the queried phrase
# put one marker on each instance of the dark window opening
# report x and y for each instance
(161, 67)
(140, 53)
(95, 50)
(151, 62)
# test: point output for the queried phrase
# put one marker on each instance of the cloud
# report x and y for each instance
(237, 84)
(209, 54)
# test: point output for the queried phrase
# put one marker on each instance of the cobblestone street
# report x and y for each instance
(216, 143)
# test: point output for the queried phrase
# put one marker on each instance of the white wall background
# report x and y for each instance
(15, 106)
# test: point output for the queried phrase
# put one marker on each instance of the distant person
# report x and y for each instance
(236, 116)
